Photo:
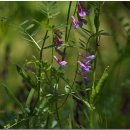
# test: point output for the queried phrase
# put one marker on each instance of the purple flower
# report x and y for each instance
(81, 21)
(90, 57)
(81, 11)
(84, 67)
(80, 14)
(57, 37)
(62, 63)
(87, 63)
(75, 23)
(86, 80)
(57, 41)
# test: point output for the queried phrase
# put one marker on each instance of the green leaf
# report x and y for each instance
(35, 32)
(49, 96)
(28, 36)
(82, 43)
(86, 103)
(100, 83)
(30, 96)
(30, 26)
(105, 34)
(24, 22)
(53, 15)
(34, 41)
(12, 96)
(67, 89)
(27, 110)
(87, 31)
(56, 86)
(37, 22)
(28, 40)
(49, 9)
(102, 80)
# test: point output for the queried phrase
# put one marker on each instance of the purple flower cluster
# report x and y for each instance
(85, 66)
(57, 38)
(57, 42)
(80, 14)
(62, 63)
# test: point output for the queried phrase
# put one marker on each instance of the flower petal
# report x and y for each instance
(75, 23)
(62, 63)
(84, 67)
(90, 57)
(86, 80)
(81, 10)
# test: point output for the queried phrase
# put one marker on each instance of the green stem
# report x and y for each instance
(76, 67)
(15, 124)
(52, 55)
(67, 20)
(56, 106)
(66, 31)
(39, 71)
(66, 95)
(75, 72)
(97, 25)
(91, 125)
(57, 113)
(71, 22)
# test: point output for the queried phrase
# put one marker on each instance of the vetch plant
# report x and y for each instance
(50, 87)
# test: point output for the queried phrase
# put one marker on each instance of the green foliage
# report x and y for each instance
(97, 89)
(53, 96)
(49, 9)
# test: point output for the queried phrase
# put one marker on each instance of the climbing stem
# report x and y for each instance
(39, 70)
(66, 30)
(97, 38)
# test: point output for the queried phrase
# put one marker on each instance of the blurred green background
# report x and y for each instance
(113, 104)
